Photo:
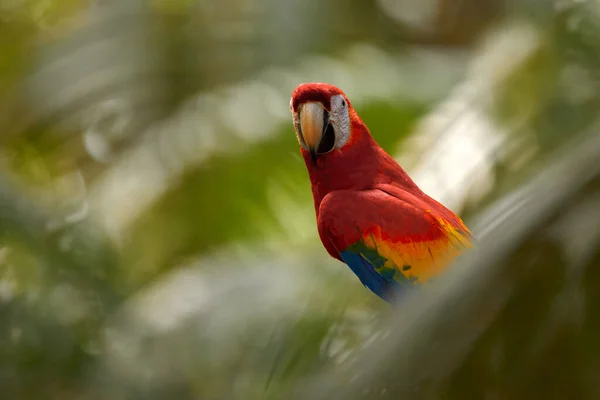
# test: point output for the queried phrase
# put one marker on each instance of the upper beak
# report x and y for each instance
(312, 123)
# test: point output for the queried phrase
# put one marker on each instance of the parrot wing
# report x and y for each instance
(390, 237)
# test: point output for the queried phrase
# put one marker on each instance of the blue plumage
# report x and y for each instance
(365, 270)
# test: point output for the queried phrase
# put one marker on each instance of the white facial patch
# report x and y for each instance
(340, 119)
(297, 128)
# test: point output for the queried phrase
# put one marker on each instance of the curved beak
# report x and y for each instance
(312, 123)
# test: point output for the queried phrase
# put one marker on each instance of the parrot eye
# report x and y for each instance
(328, 141)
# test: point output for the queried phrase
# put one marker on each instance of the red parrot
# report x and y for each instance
(370, 213)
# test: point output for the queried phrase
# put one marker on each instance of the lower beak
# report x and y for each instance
(313, 154)
(312, 122)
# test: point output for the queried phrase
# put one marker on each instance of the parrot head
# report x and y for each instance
(337, 147)
(324, 120)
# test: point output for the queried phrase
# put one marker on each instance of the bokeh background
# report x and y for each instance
(157, 230)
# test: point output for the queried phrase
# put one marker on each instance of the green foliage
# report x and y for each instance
(217, 285)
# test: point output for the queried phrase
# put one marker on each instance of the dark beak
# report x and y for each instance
(314, 155)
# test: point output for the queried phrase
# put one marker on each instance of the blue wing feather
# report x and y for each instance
(362, 262)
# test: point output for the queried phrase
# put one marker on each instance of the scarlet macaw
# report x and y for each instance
(370, 213)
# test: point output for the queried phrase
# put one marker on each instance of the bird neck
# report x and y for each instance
(360, 165)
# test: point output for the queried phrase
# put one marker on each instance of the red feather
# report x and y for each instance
(319, 92)
(361, 194)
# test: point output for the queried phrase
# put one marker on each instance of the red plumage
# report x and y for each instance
(361, 194)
